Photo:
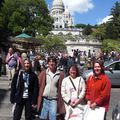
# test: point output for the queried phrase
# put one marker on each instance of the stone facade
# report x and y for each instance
(83, 45)
(61, 15)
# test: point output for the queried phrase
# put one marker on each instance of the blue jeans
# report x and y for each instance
(49, 109)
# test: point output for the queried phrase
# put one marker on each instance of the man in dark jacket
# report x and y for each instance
(24, 91)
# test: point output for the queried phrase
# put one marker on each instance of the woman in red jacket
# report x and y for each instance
(98, 88)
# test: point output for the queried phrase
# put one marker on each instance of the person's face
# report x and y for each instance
(10, 50)
(73, 72)
(52, 65)
(26, 65)
(97, 68)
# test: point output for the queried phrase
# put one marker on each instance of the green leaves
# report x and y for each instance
(110, 44)
(113, 26)
(19, 14)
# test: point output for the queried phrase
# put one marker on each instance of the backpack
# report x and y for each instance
(116, 112)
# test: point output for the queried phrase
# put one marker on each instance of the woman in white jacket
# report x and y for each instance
(73, 91)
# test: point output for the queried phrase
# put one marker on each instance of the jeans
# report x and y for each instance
(49, 109)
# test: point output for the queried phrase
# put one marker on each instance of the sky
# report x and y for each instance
(88, 11)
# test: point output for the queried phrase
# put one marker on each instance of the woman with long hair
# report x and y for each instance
(24, 91)
(98, 87)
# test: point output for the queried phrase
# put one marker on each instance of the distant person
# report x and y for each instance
(70, 61)
(11, 64)
(98, 88)
(24, 91)
(36, 65)
(64, 63)
(73, 91)
(21, 58)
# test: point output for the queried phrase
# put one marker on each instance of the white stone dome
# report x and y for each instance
(58, 3)
(67, 12)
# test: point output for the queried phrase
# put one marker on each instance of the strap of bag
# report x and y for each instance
(75, 87)
(72, 83)
(79, 87)
(18, 78)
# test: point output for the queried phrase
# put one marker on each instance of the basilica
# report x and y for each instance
(63, 20)
(61, 15)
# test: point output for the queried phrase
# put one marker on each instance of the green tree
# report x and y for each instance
(80, 25)
(113, 26)
(30, 15)
(99, 32)
(52, 43)
(111, 45)
(87, 30)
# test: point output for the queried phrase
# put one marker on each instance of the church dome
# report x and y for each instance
(58, 3)
(67, 12)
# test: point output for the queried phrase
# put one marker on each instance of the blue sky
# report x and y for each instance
(88, 11)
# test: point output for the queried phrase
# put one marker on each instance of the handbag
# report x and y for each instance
(75, 113)
(96, 114)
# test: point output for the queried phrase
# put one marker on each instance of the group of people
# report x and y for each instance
(54, 95)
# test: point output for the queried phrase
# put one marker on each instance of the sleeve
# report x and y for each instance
(35, 90)
(87, 94)
(82, 89)
(64, 91)
(13, 88)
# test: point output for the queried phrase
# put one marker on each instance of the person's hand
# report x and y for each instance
(88, 102)
(34, 106)
(75, 102)
(93, 106)
(72, 102)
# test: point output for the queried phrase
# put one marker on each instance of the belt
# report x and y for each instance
(49, 98)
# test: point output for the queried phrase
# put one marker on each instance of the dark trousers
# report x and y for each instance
(105, 115)
(25, 103)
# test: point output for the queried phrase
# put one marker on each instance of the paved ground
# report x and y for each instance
(5, 105)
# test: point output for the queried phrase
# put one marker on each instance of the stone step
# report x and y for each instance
(4, 78)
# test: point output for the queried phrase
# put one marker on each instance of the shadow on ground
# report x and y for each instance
(2, 95)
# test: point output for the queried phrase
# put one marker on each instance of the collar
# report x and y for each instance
(99, 77)
(56, 73)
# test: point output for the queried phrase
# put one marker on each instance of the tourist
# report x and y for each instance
(11, 64)
(24, 91)
(73, 92)
(49, 98)
(98, 88)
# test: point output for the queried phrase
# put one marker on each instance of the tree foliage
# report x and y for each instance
(113, 26)
(109, 32)
(52, 43)
(99, 32)
(80, 25)
(29, 15)
(111, 45)
(87, 30)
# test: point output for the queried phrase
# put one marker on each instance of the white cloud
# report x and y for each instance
(104, 20)
(79, 6)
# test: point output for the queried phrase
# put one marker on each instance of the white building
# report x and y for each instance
(83, 45)
(61, 15)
